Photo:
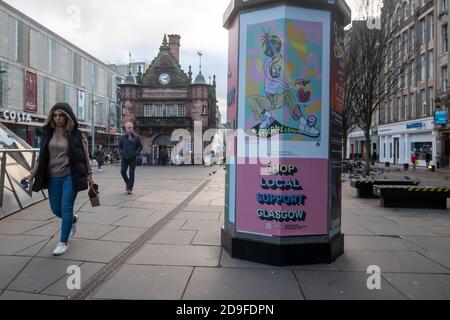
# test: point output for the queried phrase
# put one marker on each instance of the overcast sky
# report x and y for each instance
(109, 29)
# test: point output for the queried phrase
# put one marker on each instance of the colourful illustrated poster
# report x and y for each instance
(284, 94)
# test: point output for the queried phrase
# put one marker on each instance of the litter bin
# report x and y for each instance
(405, 166)
(387, 164)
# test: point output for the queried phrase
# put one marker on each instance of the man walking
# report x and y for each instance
(99, 156)
(130, 146)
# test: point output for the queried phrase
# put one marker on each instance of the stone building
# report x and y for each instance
(164, 98)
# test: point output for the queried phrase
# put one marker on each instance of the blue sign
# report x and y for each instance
(416, 125)
(440, 117)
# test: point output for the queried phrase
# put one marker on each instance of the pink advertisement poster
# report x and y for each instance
(289, 199)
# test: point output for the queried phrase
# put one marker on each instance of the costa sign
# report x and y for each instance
(16, 116)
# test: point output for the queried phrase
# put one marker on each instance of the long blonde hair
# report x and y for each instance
(69, 122)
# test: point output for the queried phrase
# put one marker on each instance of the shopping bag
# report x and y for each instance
(94, 195)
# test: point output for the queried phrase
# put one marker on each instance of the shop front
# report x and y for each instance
(399, 141)
(26, 126)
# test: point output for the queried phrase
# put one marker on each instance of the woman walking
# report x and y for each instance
(63, 168)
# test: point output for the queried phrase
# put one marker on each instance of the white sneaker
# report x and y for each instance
(306, 129)
(60, 249)
(74, 225)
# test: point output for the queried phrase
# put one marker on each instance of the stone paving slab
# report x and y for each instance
(10, 244)
(50, 229)
(124, 234)
(86, 250)
(207, 237)
(36, 215)
(388, 261)
(181, 237)
(421, 286)
(137, 221)
(331, 285)
(193, 207)
(15, 295)
(213, 216)
(10, 226)
(90, 231)
(100, 218)
(174, 225)
(102, 209)
(177, 255)
(146, 282)
(227, 262)
(40, 274)
(87, 270)
(242, 284)
(33, 250)
(10, 265)
(377, 243)
(145, 212)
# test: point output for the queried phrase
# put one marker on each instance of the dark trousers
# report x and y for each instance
(124, 167)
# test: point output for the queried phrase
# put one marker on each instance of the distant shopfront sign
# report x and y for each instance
(17, 116)
(440, 117)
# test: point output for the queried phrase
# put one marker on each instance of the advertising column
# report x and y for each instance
(283, 203)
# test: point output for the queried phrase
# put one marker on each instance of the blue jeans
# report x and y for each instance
(129, 181)
(62, 198)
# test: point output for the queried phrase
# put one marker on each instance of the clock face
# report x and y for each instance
(164, 78)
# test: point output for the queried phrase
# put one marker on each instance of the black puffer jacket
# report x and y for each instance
(77, 161)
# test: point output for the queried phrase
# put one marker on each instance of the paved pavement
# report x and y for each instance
(163, 242)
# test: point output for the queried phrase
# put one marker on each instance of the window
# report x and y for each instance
(405, 43)
(444, 78)
(421, 149)
(413, 39)
(147, 111)
(423, 69)
(423, 102)
(431, 27)
(413, 73)
(404, 100)
(423, 31)
(431, 100)
(398, 108)
(413, 6)
(384, 150)
(430, 64)
(181, 111)
(169, 111)
(159, 111)
(412, 106)
(445, 38)
(405, 11)
(204, 110)
(443, 6)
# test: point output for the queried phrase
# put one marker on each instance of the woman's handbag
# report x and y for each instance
(94, 195)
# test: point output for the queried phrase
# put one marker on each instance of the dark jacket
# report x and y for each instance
(77, 161)
(130, 146)
(99, 155)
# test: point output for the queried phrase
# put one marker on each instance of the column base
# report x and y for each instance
(283, 255)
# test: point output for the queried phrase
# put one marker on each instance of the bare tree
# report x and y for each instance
(371, 80)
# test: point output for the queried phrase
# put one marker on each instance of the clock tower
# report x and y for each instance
(166, 98)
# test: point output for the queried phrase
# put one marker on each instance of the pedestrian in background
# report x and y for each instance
(99, 155)
(414, 160)
(130, 147)
(428, 158)
(63, 168)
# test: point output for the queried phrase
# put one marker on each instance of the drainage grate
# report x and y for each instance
(98, 279)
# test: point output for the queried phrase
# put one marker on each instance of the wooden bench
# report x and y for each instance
(364, 187)
(412, 196)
